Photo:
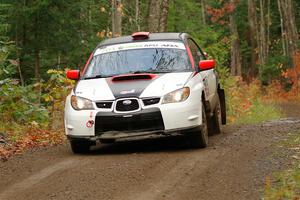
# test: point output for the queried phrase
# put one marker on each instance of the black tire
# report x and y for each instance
(80, 146)
(215, 122)
(199, 137)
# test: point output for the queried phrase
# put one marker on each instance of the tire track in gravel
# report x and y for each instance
(179, 174)
(36, 178)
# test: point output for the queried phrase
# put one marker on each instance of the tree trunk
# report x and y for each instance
(36, 53)
(37, 74)
(21, 51)
(154, 15)
(288, 28)
(236, 68)
(163, 24)
(252, 36)
(137, 14)
(203, 12)
(116, 17)
(262, 39)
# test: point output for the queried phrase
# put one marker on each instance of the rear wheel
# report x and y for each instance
(215, 122)
(80, 146)
(199, 138)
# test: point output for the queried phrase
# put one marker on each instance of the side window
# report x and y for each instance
(196, 52)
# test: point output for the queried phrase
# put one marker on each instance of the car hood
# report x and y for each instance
(108, 89)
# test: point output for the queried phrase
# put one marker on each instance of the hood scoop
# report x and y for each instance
(133, 77)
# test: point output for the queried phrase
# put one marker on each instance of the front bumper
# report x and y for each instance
(159, 119)
(119, 136)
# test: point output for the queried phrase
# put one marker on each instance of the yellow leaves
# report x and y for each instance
(34, 123)
(31, 137)
(120, 8)
(47, 98)
(101, 34)
(102, 9)
(110, 35)
(240, 98)
(54, 71)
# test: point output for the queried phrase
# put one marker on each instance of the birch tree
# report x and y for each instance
(288, 29)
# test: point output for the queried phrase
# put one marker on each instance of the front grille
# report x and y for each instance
(148, 102)
(104, 104)
(126, 105)
(144, 120)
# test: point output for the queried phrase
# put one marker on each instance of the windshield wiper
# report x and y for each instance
(149, 71)
(94, 77)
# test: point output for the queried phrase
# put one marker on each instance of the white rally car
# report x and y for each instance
(144, 85)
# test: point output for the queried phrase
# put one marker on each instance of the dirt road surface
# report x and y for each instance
(234, 166)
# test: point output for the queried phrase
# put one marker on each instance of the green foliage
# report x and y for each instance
(21, 104)
(211, 38)
(7, 67)
(287, 186)
(17, 104)
(54, 93)
(62, 33)
(273, 68)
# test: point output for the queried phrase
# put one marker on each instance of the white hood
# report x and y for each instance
(101, 89)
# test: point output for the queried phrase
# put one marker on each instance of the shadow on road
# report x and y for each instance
(165, 144)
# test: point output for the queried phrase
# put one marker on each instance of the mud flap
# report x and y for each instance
(221, 93)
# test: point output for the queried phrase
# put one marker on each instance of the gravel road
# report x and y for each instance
(234, 166)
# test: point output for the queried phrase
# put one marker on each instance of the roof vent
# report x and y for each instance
(140, 35)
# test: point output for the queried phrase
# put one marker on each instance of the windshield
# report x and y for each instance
(152, 60)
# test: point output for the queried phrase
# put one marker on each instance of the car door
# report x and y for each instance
(208, 76)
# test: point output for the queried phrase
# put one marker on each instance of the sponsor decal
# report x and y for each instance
(128, 91)
(90, 124)
(140, 45)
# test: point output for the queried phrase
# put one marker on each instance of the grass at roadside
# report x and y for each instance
(260, 112)
(286, 184)
(246, 103)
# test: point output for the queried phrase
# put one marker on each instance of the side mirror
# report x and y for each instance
(73, 74)
(206, 64)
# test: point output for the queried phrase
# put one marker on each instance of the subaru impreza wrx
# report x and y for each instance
(144, 85)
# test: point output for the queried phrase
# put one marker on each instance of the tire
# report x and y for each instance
(80, 146)
(215, 122)
(199, 137)
(221, 93)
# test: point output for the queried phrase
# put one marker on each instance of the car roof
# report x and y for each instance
(152, 37)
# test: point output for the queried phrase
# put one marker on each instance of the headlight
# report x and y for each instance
(177, 96)
(79, 103)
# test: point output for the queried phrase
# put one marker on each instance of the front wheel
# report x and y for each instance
(80, 146)
(199, 138)
(215, 122)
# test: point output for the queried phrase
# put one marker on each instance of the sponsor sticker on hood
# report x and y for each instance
(139, 45)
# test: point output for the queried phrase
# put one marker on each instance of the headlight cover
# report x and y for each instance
(176, 96)
(79, 103)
